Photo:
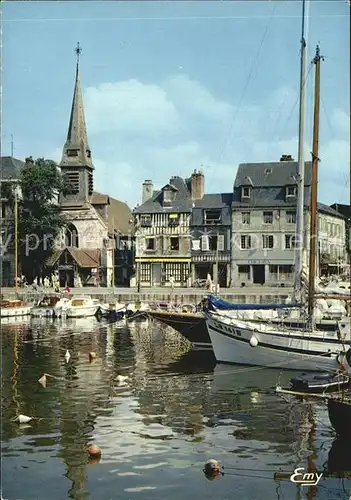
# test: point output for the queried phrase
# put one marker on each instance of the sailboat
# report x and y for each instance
(247, 342)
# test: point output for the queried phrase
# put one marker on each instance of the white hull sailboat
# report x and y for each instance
(245, 342)
(261, 344)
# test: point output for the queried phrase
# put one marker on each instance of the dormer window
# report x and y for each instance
(212, 216)
(245, 191)
(290, 191)
(169, 192)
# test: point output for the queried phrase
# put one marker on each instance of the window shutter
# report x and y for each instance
(221, 242)
(205, 243)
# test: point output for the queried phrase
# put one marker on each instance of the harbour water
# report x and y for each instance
(156, 430)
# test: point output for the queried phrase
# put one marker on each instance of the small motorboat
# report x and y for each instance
(11, 308)
(320, 383)
(80, 307)
(113, 310)
(46, 307)
(339, 411)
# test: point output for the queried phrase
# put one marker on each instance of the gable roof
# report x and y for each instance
(10, 168)
(120, 217)
(99, 199)
(88, 258)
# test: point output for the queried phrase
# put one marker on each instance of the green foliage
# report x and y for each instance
(39, 217)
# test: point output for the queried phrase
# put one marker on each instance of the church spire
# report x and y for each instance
(76, 151)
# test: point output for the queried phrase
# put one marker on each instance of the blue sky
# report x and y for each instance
(171, 86)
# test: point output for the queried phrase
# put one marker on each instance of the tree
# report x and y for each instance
(39, 219)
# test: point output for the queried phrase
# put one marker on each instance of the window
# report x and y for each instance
(245, 192)
(72, 179)
(268, 240)
(212, 242)
(90, 183)
(168, 195)
(291, 217)
(268, 217)
(145, 220)
(245, 217)
(216, 242)
(244, 271)
(245, 241)
(173, 219)
(150, 243)
(290, 241)
(273, 269)
(3, 210)
(72, 236)
(179, 271)
(145, 272)
(290, 191)
(212, 217)
(174, 243)
(88, 153)
(72, 152)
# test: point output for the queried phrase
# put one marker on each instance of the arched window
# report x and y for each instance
(72, 236)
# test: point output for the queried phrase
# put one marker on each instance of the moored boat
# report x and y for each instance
(14, 308)
(79, 307)
(339, 411)
(113, 310)
(320, 383)
(47, 307)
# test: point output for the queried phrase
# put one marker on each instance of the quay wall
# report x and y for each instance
(248, 295)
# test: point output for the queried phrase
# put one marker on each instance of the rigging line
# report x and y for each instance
(249, 78)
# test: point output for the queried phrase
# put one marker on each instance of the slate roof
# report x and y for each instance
(342, 209)
(10, 168)
(269, 183)
(99, 199)
(272, 174)
(326, 209)
(182, 201)
(119, 217)
(214, 200)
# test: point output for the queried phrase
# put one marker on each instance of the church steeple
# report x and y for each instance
(76, 151)
(76, 163)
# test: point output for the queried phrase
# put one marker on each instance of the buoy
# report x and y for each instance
(67, 356)
(94, 451)
(92, 355)
(253, 341)
(42, 380)
(212, 469)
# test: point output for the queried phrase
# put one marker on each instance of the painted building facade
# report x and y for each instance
(162, 234)
(210, 230)
(264, 223)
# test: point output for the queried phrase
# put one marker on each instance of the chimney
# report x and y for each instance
(197, 185)
(147, 191)
(287, 158)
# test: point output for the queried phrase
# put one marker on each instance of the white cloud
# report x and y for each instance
(141, 131)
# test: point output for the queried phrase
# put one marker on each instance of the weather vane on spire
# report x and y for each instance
(78, 51)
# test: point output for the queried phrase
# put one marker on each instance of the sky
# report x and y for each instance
(170, 87)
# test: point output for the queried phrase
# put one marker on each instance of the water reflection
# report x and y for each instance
(175, 410)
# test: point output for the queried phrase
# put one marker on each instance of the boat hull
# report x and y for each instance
(231, 344)
(192, 326)
(12, 312)
(340, 416)
(81, 311)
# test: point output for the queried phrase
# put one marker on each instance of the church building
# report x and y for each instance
(86, 254)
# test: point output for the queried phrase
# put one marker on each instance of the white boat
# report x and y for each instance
(261, 344)
(113, 308)
(47, 307)
(78, 307)
(14, 308)
(252, 343)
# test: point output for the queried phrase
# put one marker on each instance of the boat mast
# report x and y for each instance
(314, 181)
(301, 167)
(16, 238)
